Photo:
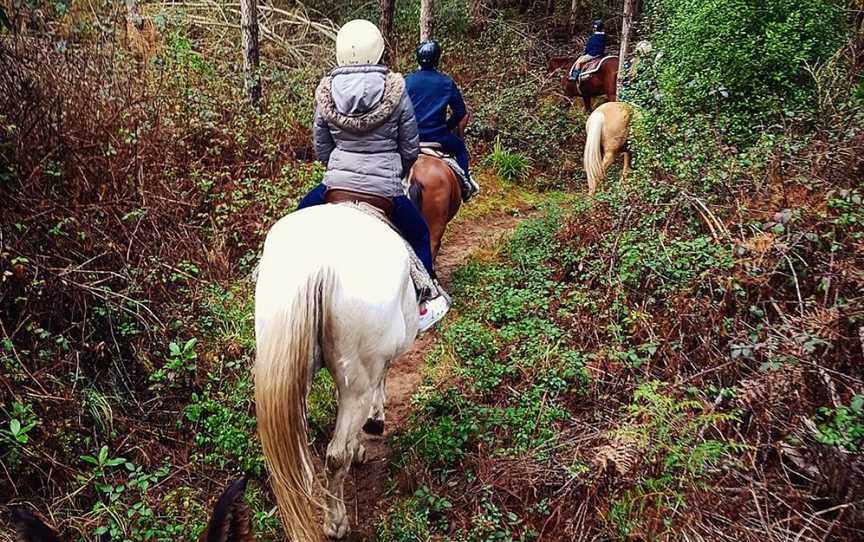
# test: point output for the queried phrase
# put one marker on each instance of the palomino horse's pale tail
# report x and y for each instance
(286, 344)
(333, 290)
(593, 157)
(607, 132)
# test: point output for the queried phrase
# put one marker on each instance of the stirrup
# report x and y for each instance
(470, 188)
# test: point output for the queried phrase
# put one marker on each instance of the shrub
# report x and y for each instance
(745, 57)
(508, 165)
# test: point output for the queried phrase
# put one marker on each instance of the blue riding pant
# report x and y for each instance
(405, 217)
(452, 144)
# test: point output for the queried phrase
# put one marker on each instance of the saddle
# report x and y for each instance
(339, 195)
(593, 66)
(434, 150)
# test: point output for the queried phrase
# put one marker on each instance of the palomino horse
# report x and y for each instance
(608, 131)
(602, 82)
(440, 192)
(231, 520)
(340, 298)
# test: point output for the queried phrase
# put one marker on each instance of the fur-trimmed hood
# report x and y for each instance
(359, 99)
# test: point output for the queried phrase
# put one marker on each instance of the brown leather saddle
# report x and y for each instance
(339, 195)
(594, 65)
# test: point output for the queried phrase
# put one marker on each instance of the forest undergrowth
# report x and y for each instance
(678, 358)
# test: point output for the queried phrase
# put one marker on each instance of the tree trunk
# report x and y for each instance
(388, 10)
(574, 9)
(629, 9)
(133, 14)
(478, 14)
(249, 29)
(426, 22)
(524, 5)
(550, 7)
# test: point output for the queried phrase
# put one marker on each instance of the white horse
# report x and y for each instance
(333, 290)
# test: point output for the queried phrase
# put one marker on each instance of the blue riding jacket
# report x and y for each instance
(431, 93)
(596, 45)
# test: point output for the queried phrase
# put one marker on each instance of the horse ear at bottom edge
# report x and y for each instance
(30, 526)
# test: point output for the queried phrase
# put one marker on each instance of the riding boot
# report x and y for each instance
(433, 310)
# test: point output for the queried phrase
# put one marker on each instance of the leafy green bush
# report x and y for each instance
(413, 519)
(747, 57)
(843, 426)
(508, 165)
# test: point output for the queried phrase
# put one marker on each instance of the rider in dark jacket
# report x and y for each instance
(595, 47)
(432, 93)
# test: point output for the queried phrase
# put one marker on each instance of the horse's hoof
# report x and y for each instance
(360, 455)
(336, 530)
(374, 427)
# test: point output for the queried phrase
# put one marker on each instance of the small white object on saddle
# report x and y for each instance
(423, 283)
(433, 149)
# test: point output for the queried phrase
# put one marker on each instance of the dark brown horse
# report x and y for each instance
(440, 192)
(602, 82)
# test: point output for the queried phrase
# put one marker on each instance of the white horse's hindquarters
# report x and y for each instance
(368, 260)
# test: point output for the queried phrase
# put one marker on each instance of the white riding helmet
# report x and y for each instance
(359, 42)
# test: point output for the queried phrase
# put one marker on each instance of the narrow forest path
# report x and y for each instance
(365, 493)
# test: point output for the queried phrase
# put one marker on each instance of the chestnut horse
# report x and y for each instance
(440, 192)
(602, 82)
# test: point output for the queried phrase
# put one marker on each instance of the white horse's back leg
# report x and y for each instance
(375, 423)
(356, 388)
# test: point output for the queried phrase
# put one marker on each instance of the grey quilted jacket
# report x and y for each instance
(365, 130)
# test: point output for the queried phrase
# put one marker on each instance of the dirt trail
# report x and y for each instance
(365, 491)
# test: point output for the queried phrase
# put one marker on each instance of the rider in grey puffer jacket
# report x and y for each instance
(365, 130)
(366, 134)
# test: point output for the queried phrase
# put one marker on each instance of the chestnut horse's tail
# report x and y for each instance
(593, 157)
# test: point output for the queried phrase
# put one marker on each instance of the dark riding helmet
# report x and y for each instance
(597, 25)
(428, 54)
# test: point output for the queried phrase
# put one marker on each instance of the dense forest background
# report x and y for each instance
(678, 358)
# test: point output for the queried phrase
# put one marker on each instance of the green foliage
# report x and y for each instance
(223, 424)
(414, 519)
(673, 427)
(668, 432)
(508, 165)
(182, 360)
(441, 429)
(492, 524)
(742, 57)
(321, 406)
(228, 316)
(22, 420)
(843, 426)
(848, 209)
(667, 265)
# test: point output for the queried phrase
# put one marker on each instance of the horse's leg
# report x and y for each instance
(355, 399)
(587, 100)
(608, 158)
(375, 423)
(625, 170)
(612, 86)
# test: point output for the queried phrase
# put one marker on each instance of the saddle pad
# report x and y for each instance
(593, 66)
(454, 165)
(423, 283)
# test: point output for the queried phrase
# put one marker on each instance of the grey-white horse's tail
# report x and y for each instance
(287, 342)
